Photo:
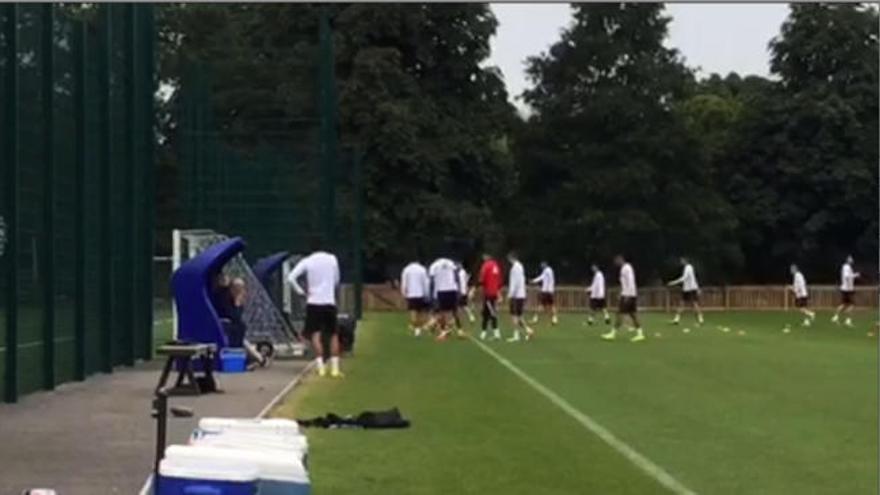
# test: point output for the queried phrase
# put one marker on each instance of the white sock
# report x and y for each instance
(700, 317)
(334, 364)
(676, 318)
(483, 335)
(639, 332)
(849, 321)
(516, 335)
(417, 331)
(319, 361)
(496, 333)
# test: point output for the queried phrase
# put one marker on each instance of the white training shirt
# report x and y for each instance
(322, 276)
(627, 281)
(516, 282)
(414, 282)
(597, 288)
(847, 278)
(688, 279)
(547, 279)
(442, 271)
(800, 285)
(463, 279)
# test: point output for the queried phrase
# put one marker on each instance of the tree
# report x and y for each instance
(413, 94)
(433, 120)
(608, 155)
(803, 176)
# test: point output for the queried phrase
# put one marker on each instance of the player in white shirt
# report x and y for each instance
(627, 306)
(415, 286)
(801, 296)
(596, 292)
(516, 292)
(444, 280)
(690, 291)
(847, 291)
(546, 299)
(465, 293)
(321, 271)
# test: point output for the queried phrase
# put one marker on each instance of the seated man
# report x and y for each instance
(229, 298)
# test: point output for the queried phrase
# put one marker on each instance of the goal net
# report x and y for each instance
(265, 321)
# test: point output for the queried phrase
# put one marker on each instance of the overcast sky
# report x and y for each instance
(715, 37)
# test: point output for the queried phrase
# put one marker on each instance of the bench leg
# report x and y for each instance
(163, 378)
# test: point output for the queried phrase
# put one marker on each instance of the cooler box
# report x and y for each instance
(276, 475)
(261, 426)
(288, 446)
(207, 476)
(233, 360)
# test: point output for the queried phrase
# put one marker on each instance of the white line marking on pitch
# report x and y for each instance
(296, 379)
(642, 462)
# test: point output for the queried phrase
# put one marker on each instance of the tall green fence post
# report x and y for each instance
(11, 165)
(127, 291)
(327, 105)
(79, 115)
(48, 79)
(149, 161)
(106, 274)
(358, 234)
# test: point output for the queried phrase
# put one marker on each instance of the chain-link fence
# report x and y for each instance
(76, 120)
(259, 157)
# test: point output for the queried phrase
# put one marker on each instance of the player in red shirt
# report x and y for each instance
(490, 281)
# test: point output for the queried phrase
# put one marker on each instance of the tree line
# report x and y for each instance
(625, 150)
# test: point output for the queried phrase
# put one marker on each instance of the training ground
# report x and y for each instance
(751, 410)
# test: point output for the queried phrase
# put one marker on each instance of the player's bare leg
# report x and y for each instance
(538, 310)
(446, 319)
(612, 334)
(470, 313)
(519, 323)
(640, 334)
(318, 349)
(554, 318)
(335, 372)
(698, 311)
(678, 311)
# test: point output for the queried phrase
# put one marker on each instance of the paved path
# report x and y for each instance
(97, 437)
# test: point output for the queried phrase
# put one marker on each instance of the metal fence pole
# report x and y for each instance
(106, 274)
(11, 165)
(48, 82)
(148, 214)
(358, 234)
(79, 111)
(327, 105)
(128, 276)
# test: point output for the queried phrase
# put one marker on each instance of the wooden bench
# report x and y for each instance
(182, 355)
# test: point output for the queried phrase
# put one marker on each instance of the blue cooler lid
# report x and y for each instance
(209, 469)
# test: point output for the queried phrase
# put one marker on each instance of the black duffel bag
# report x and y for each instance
(347, 326)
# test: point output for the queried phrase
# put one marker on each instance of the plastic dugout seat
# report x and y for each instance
(264, 268)
(197, 319)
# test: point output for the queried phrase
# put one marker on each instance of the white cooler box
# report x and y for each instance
(276, 475)
(292, 446)
(262, 426)
(183, 475)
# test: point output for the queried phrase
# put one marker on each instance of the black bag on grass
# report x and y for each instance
(390, 419)
(347, 325)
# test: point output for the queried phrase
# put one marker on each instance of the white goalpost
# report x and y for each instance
(268, 328)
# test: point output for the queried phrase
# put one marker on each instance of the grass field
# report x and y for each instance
(721, 413)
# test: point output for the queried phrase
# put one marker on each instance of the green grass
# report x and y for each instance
(723, 413)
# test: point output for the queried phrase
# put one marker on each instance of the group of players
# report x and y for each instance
(436, 294)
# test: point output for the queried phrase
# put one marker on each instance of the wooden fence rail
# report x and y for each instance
(740, 297)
